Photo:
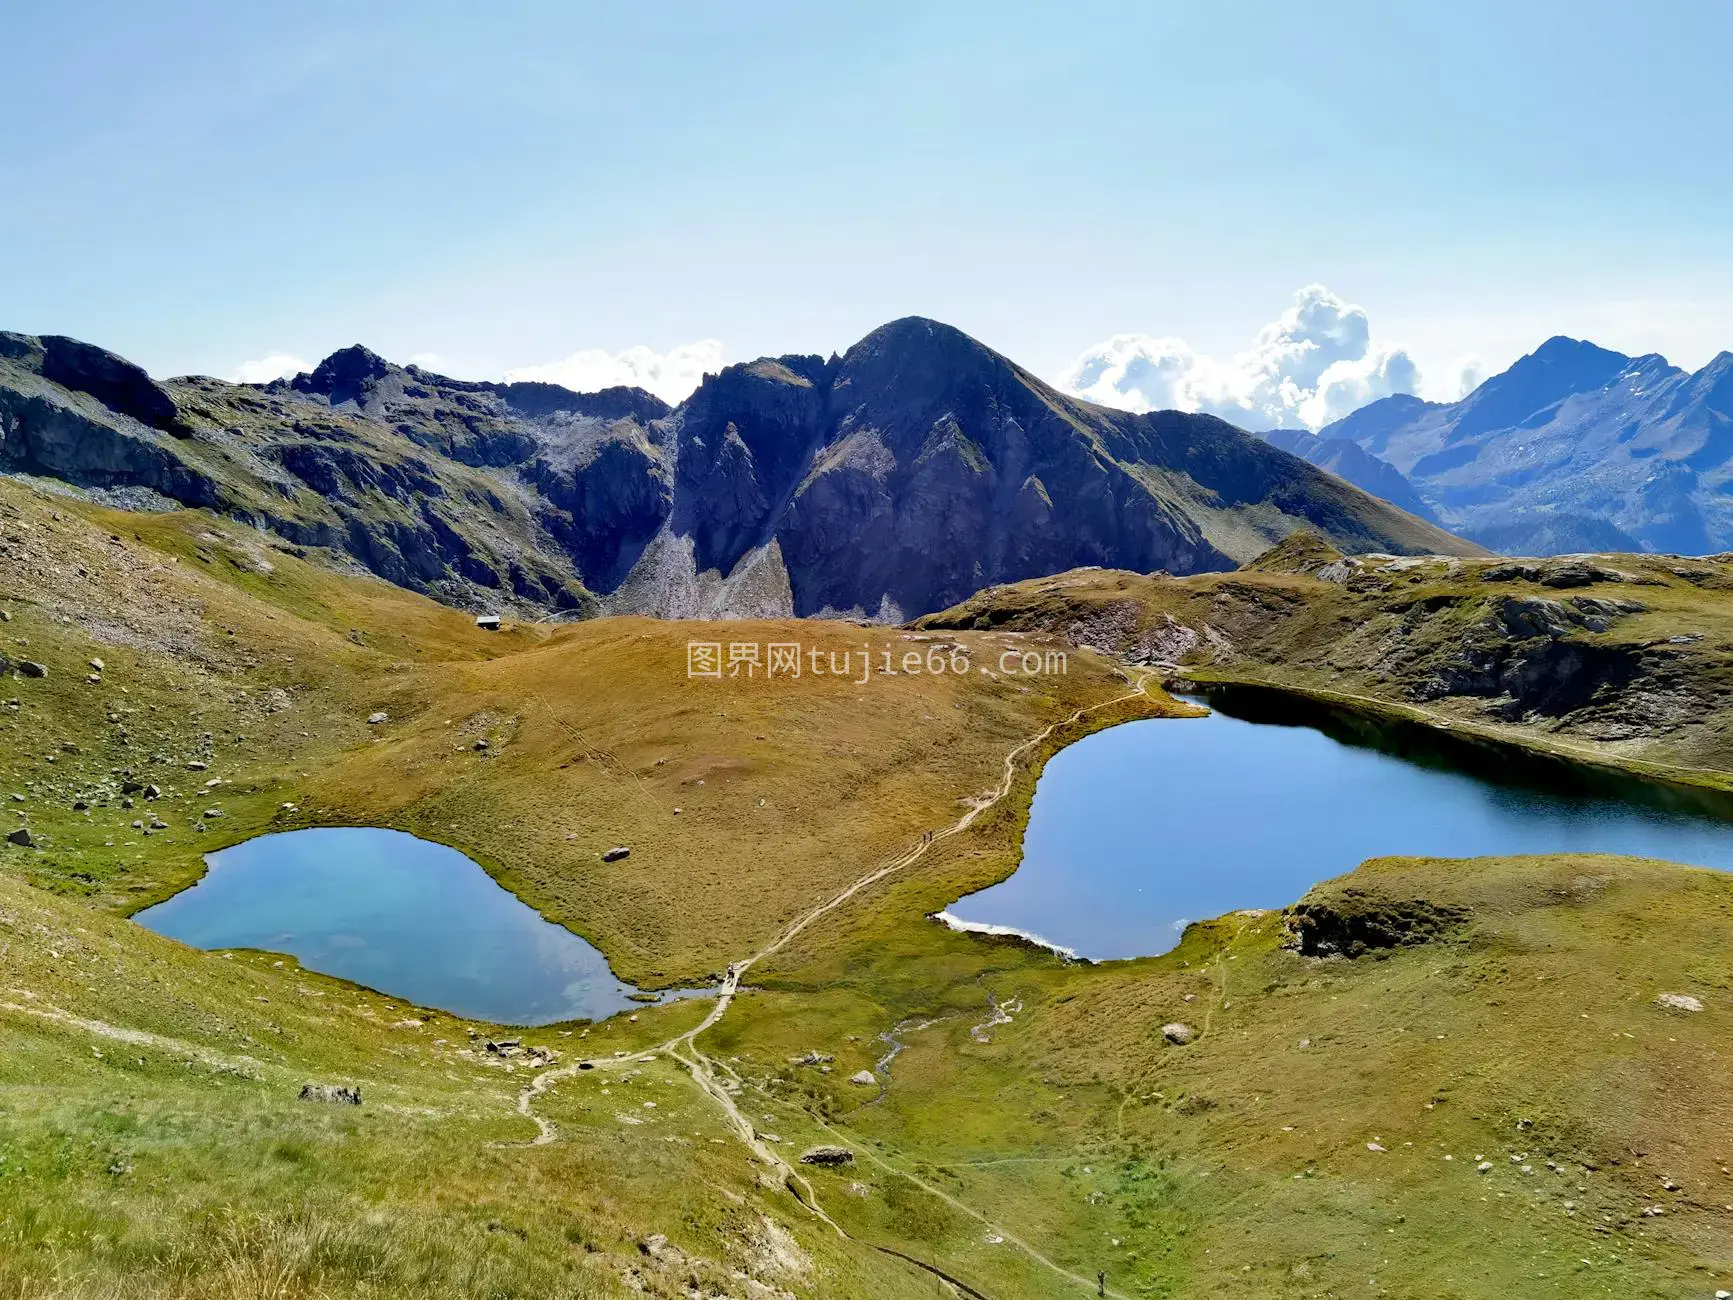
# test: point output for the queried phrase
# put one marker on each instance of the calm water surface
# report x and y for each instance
(1137, 830)
(407, 917)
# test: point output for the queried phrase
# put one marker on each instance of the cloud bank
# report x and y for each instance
(279, 365)
(1315, 363)
(670, 375)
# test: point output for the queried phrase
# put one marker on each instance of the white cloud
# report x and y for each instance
(1456, 381)
(279, 365)
(670, 375)
(1315, 363)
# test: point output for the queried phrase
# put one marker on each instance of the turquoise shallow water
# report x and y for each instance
(405, 916)
(1137, 830)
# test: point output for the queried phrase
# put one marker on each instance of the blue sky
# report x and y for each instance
(197, 185)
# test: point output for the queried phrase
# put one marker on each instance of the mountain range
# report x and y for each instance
(895, 479)
(1574, 448)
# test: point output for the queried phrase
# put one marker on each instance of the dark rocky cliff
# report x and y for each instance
(893, 480)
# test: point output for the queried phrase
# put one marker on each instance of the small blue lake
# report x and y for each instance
(1139, 829)
(404, 916)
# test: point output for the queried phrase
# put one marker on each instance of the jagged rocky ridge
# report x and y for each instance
(895, 479)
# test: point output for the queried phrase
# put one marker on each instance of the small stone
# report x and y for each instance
(152, 792)
(197, 766)
(616, 853)
(1484, 1167)
(96, 665)
(1178, 1034)
(213, 812)
(374, 719)
(95, 679)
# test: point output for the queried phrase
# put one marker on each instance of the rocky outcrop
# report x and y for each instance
(113, 381)
(1522, 653)
(340, 1093)
(832, 1156)
(1353, 922)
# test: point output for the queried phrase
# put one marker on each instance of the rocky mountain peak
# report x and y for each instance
(1564, 365)
(347, 375)
(918, 356)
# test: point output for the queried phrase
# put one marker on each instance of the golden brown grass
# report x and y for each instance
(1235, 1166)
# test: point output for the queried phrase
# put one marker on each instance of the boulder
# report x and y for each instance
(374, 719)
(1178, 1034)
(828, 1155)
(341, 1093)
(32, 669)
(22, 837)
(1678, 1002)
(615, 854)
(866, 1078)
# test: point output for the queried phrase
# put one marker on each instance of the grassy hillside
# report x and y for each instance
(1032, 1127)
(1621, 658)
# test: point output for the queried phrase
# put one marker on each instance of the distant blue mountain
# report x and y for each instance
(1347, 459)
(1574, 448)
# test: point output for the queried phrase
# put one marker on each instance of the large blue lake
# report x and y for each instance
(1137, 830)
(405, 916)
